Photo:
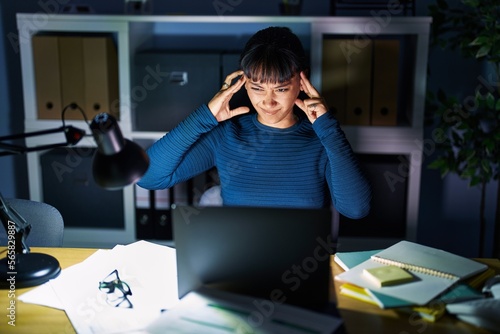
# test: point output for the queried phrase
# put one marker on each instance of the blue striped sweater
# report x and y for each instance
(306, 165)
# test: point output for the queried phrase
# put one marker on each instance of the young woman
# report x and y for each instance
(287, 152)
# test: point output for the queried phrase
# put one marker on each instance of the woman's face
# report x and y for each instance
(274, 101)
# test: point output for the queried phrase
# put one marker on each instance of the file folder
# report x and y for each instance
(385, 82)
(359, 74)
(72, 73)
(47, 76)
(334, 77)
(101, 76)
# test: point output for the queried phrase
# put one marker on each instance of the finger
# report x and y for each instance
(301, 105)
(229, 79)
(231, 89)
(305, 109)
(308, 87)
(240, 110)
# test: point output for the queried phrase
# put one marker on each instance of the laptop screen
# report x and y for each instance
(271, 253)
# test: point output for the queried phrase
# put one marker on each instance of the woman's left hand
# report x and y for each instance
(315, 105)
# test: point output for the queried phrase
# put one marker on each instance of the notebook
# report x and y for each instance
(429, 260)
(435, 271)
(272, 253)
(347, 260)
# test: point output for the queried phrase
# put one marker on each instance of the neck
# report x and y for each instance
(283, 124)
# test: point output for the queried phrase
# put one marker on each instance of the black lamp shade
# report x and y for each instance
(117, 162)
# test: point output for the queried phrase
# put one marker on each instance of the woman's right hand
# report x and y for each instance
(219, 105)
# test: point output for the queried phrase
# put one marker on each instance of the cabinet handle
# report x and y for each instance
(178, 78)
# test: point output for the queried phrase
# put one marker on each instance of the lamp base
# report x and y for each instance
(30, 269)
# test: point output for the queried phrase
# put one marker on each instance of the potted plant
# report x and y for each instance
(469, 126)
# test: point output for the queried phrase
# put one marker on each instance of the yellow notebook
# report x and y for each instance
(388, 275)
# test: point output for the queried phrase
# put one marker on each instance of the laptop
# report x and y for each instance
(278, 254)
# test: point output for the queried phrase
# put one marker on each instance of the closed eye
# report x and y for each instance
(258, 89)
(279, 90)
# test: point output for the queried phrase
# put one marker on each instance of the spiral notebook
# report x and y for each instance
(434, 270)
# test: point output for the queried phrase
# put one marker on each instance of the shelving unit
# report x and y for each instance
(224, 35)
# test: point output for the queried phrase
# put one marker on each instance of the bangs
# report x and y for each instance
(269, 67)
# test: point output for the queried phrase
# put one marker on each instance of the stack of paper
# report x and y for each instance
(148, 269)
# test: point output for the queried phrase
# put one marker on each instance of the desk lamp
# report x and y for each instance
(117, 163)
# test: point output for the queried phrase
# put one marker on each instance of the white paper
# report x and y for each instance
(45, 294)
(150, 271)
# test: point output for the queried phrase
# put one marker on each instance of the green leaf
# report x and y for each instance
(437, 164)
(497, 105)
(485, 164)
(489, 145)
(483, 51)
(490, 101)
(468, 172)
(444, 172)
(481, 40)
(471, 3)
(474, 181)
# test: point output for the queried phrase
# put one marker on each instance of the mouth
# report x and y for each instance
(269, 112)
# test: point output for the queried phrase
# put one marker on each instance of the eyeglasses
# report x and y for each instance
(116, 290)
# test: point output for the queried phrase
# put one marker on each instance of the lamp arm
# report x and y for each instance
(73, 136)
(16, 227)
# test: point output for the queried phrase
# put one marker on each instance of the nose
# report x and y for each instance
(269, 99)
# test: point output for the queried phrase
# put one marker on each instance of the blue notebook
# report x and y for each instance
(347, 260)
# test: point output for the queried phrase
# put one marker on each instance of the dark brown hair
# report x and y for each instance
(274, 54)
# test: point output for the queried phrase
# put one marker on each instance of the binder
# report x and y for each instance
(359, 74)
(47, 76)
(100, 63)
(334, 77)
(385, 82)
(152, 213)
(72, 73)
(162, 218)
